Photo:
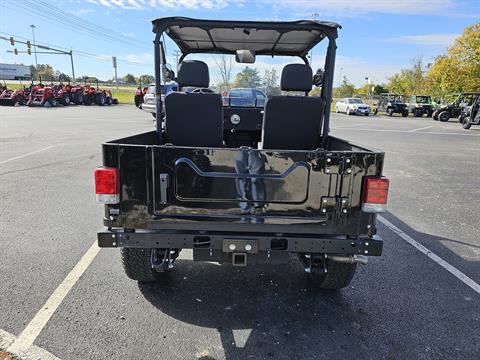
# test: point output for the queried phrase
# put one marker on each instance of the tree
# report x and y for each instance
(346, 89)
(224, 65)
(130, 79)
(458, 70)
(45, 71)
(409, 81)
(248, 78)
(270, 83)
(146, 79)
(63, 77)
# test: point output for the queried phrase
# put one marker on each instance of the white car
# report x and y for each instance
(149, 102)
(352, 106)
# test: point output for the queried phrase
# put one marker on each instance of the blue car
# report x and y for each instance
(245, 97)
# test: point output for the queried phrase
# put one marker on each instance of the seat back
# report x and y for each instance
(194, 119)
(293, 122)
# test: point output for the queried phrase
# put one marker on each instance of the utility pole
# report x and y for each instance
(314, 18)
(34, 47)
(114, 61)
(71, 61)
(176, 53)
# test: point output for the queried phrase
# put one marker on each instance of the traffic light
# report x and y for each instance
(12, 41)
(29, 51)
(29, 45)
(15, 51)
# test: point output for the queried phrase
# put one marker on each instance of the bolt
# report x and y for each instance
(329, 160)
(113, 236)
(324, 210)
(349, 171)
(344, 211)
(327, 170)
(366, 251)
(366, 244)
(348, 161)
(369, 226)
(324, 201)
(344, 201)
(114, 244)
(232, 247)
(248, 247)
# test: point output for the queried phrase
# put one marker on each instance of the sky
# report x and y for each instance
(378, 37)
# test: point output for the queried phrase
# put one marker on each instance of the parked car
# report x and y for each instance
(299, 192)
(149, 102)
(392, 104)
(454, 108)
(420, 105)
(470, 114)
(245, 97)
(352, 106)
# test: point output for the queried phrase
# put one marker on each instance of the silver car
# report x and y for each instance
(149, 98)
(352, 106)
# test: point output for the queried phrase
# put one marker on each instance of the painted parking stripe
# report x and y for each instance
(408, 131)
(451, 269)
(25, 155)
(30, 333)
(422, 128)
(31, 353)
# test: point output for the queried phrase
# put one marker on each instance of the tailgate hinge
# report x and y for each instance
(163, 188)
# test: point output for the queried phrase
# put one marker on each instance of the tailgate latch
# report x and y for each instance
(163, 188)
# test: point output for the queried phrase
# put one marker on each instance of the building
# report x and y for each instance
(14, 72)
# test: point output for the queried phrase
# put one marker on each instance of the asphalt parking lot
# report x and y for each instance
(420, 300)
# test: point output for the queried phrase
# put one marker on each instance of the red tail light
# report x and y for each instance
(107, 186)
(375, 194)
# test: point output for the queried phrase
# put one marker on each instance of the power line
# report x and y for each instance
(57, 16)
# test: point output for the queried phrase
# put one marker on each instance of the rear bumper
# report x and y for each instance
(260, 242)
(150, 108)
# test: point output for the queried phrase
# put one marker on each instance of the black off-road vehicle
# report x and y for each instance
(470, 114)
(243, 185)
(392, 104)
(454, 109)
(421, 105)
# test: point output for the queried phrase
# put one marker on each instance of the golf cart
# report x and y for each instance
(242, 185)
(420, 105)
(392, 104)
(454, 108)
(470, 114)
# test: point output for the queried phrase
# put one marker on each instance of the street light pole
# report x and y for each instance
(71, 61)
(34, 47)
(314, 18)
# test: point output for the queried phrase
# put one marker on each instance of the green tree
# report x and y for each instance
(346, 88)
(409, 81)
(459, 68)
(248, 78)
(146, 79)
(270, 83)
(45, 71)
(63, 77)
(130, 79)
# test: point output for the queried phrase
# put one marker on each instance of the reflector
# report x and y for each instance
(375, 194)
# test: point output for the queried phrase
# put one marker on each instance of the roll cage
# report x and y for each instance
(273, 38)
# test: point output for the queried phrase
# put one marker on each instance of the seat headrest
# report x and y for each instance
(193, 73)
(296, 77)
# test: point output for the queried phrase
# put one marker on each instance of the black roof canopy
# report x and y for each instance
(292, 38)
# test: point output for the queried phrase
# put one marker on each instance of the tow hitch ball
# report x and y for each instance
(162, 259)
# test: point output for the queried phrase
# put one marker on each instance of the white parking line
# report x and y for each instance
(30, 333)
(25, 155)
(348, 126)
(422, 128)
(32, 353)
(408, 131)
(451, 269)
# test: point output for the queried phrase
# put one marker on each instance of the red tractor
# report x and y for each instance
(41, 95)
(77, 92)
(62, 94)
(96, 96)
(9, 97)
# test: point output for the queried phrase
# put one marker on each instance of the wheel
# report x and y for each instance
(405, 113)
(366, 114)
(53, 102)
(77, 98)
(390, 112)
(417, 113)
(108, 100)
(444, 116)
(348, 111)
(100, 99)
(435, 117)
(87, 99)
(467, 123)
(336, 109)
(338, 276)
(137, 264)
(66, 99)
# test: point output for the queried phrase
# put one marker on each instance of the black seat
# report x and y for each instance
(194, 119)
(293, 122)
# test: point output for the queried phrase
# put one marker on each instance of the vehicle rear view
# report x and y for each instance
(243, 186)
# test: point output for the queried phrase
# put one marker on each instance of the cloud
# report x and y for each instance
(129, 35)
(169, 4)
(348, 8)
(427, 39)
(79, 12)
(141, 59)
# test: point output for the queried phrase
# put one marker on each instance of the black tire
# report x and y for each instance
(348, 111)
(417, 113)
(337, 277)
(87, 99)
(66, 99)
(108, 101)
(444, 116)
(137, 265)
(53, 102)
(389, 112)
(100, 99)
(467, 123)
(404, 113)
(77, 98)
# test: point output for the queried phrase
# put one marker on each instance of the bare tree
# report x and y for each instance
(225, 65)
